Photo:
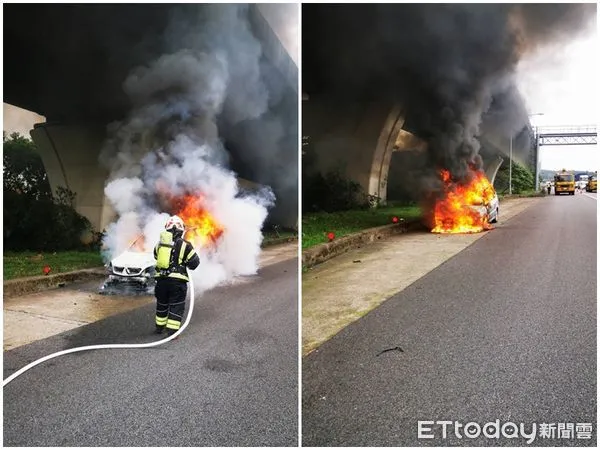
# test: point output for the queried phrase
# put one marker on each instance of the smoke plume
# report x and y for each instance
(210, 70)
(452, 65)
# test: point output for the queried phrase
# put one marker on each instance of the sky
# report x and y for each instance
(19, 120)
(562, 83)
(283, 18)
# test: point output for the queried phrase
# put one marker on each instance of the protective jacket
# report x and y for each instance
(173, 254)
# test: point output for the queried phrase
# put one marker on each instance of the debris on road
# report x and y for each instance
(390, 350)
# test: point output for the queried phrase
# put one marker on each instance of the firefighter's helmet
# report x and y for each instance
(176, 223)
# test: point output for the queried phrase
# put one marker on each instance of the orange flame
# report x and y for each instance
(201, 227)
(454, 212)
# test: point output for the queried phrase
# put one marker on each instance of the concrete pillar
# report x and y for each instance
(491, 167)
(406, 166)
(70, 156)
(386, 143)
(272, 46)
(356, 138)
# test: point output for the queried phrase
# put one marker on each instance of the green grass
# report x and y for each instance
(315, 226)
(27, 264)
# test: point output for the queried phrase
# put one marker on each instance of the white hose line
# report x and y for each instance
(103, 346)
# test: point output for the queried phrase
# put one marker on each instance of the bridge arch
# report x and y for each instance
(382, 155)
(70, 156)
(357, 139)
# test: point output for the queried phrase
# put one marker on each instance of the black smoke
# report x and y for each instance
(211, 76)
(78, 63)
(452, 65)
(258, 123)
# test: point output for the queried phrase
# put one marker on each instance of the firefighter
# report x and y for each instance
(173, 255)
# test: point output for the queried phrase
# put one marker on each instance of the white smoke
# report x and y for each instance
(169, 145)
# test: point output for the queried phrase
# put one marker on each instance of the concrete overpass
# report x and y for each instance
(367, 87)
(68, 62)
(362, 138)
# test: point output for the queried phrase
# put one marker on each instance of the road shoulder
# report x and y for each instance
(345, 288)
(35, 316)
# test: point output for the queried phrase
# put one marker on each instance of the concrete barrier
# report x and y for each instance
(322, 252)
(28, 285)
(278, 241)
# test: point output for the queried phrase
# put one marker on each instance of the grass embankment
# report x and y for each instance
(315, 226)
(28, 264)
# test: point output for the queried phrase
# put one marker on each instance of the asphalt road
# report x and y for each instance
(231, 379)
(505, 330)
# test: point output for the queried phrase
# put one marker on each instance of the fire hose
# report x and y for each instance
(107, 346)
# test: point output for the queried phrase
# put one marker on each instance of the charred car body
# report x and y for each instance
(489, 210)
(130, 273)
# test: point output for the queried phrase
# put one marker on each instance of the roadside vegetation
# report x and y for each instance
(331, 203)
(35, 218)
(40, 228)
(28, 264)
(316, 226)
(523, 180)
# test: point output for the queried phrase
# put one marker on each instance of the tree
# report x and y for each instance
(24, 172)
(327, 192)
(522, 179)
(33, 219)
(331, 192)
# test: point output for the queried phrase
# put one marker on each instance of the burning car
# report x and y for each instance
(133, 271)
(466, 207)
(489, 210)
(130, 273)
